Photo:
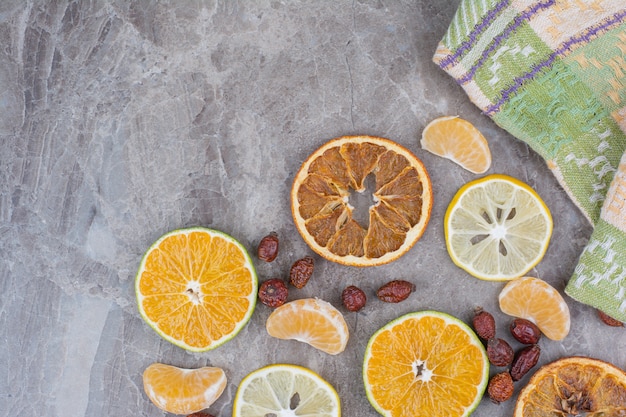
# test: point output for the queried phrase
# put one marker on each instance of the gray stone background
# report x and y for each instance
(122, 120)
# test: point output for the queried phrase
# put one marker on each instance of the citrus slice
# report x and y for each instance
(183, 391)
(458, 140)
(196, 287)
(574, 386)
(425, 363)
(285, 390)
(535, 300)
(497, 228)
(312, 321)
(346, 171)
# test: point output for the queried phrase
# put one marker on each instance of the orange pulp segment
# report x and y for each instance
(196, 287)
(535, 300)
(183, 391)
(322, 200)
(458, 140)
(312, 321)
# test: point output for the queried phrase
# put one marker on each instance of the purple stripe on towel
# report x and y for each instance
(473, 35)
(562, 50)
(517, 22)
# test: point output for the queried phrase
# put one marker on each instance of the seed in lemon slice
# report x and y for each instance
(535, 300)
(497, 228)
(425, 363)
(285, 390)
(334, 179)
(574, 386)
(183, 391)
(312, 321)
(458, 140)
(196, 288)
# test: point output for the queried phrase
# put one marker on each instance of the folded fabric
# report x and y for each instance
(553, 74)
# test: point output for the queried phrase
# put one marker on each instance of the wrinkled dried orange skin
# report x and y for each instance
(574, 386)
(402, 198)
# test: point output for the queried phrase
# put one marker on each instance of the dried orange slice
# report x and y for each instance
(535, 300)
(458, 140)
(574, 386)
(285, 390)
(196, 287)
(183, 391)
(425, 363)
(312, 321)
(327, 189)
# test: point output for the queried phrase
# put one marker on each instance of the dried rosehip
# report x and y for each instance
(525, 331)
(499, 352)
(608, 320)
(353, 298)
(500, 387)
(200, 414)
(301, 272)
(273, 292)
(524, 360)
(484, 324)
(395, 291)
(268, 247)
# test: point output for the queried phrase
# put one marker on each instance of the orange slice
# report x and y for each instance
(535, 300)
(425, 363)
(574, 386)
(196, 287)
(458, 140)
(285, 390)
(331, 182)
(183, 391)
(312, 321)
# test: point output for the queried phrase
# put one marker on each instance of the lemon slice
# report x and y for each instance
(425, 363)
(497, 228)
(285, 390)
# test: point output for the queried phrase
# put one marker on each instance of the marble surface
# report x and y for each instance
(122, 120)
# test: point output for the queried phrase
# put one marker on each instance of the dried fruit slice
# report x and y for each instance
(312, 321)
(324, 211)
(535, 300)
(425, 363)
(285, 390)
(497, 228)
(196, 287)
(574, 386)
(458, 140)
(183, 391)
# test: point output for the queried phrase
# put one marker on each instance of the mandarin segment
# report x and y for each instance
(323, 214)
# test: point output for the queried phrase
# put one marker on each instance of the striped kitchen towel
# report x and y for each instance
(553, 74)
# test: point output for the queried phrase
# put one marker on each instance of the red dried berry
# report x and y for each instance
(484, 324)
(499, 352)
(301, 272)
(273, 292)
(395, 291)
(525, 331)
(500, 387)
(524, 360)
(353, 298)
(608, 320)
(200, 414)
(268, 247)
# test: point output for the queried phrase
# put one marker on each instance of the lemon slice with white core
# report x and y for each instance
(497, 228)
(285, 390)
